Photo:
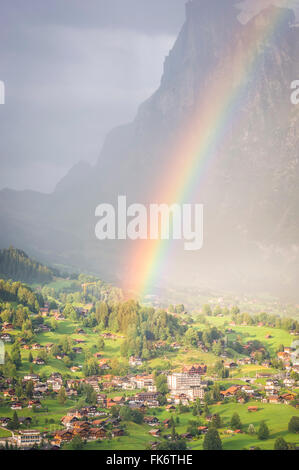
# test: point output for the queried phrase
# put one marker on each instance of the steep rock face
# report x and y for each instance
(250, 192)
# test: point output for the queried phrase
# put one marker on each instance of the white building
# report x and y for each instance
(28, 437)
(183, 381)
(195, 393)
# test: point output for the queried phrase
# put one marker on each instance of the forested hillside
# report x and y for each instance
(16, 265)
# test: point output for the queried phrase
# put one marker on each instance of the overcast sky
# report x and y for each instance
(74, 69)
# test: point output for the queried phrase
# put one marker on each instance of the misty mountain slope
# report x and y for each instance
(250, 192)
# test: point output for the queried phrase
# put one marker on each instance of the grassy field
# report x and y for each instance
(276, 416)
(249, 333)
(41, 419)
(4, 433)
(67, 328)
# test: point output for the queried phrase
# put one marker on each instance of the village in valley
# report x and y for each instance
(85, 368)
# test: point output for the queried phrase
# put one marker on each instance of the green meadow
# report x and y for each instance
(277, 418)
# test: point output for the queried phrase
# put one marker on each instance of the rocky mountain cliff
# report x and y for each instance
(250, 192)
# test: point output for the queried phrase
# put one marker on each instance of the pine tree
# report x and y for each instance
(212, 440)
(235, 421)
(280, 444)
(216, 421)
(15, 421)
(62, 396)
(263, 432)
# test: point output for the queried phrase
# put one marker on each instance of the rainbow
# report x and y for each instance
(219, 111)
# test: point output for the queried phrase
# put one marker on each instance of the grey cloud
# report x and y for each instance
(74, 69)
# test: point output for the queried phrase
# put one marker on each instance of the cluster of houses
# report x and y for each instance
(79, 423)
(290, 357)
(5, 336)
(276, 390)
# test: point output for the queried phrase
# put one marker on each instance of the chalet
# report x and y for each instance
(181, 398)
(7, 326)
(263, 375)
(109, 336)
(40, 387)
(4, 421)
(288, 350)
(96, 433)
(119, 400)
(128, 385)
(170, 408)
(154, 445)
(231, 391)
(81, 428)
(68, 421)
(283, 356)
(79, 341)
(151, 420)
(99, 423)
(103, 364)
(166, 423)
(252, 409)
(90, 411)
(59, 317)
(93, 381)
(25, 421)
(31, 377)
(63, 436)
(16, 406)
(45, 329)
(102, 400)
(39, 361)
(108, 385)
(55, 381)
(6, 338)
(61, 356)
(150, 398)
(288, 382)
(10, 393)
(44, 311)
(37, 346)
(117, 432)
(113, 421)
(115, 401)
(75, 369)
(274, 399)
(77, 350)
(202, 429)
(155, 432)
(288, 397)
(34, 404)
(135, 361)
(98, 355)
(80, 331)
(195, 369)
(248, 389)
(230, 365)
(136, 405)
(118, 381)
